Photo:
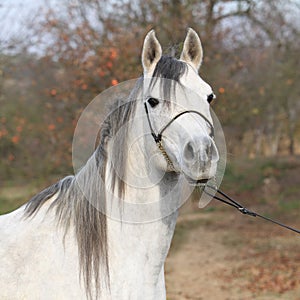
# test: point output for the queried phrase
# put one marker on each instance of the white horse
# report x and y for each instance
(64, 245)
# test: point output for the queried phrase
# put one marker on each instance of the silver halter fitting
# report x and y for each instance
(158, 137)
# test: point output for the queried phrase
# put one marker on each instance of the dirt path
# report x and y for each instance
(221, 256)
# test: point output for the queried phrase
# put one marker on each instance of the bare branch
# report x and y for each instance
(238, 13)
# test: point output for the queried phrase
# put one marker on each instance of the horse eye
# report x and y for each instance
(210, 97)
(153, 102)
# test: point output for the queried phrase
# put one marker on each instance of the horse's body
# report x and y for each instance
(37, 263)
(61, 245)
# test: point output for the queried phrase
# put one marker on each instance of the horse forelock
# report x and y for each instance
(172, 70)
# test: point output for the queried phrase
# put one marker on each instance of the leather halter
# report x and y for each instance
(158, 136)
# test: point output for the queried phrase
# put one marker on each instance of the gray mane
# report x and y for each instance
(85, 209)
(80, 199)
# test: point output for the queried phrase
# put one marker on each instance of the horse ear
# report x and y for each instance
(192, 52)
(152, 52)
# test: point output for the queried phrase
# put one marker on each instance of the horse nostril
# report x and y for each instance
(208, 150)
(189, 152)
(203, 151)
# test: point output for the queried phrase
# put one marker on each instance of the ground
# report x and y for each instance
(220, 254)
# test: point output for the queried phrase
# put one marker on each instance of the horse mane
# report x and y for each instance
(80, 200)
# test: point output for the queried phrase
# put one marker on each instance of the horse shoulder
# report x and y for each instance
(36, 262)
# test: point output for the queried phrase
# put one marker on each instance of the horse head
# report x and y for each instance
(176, 101)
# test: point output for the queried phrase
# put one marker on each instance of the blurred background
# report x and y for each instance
(56, 56)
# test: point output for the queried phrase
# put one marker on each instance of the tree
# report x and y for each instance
(83, 47)
(98, 43)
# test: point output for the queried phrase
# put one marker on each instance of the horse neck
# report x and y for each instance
(139, 237)
(137, 253)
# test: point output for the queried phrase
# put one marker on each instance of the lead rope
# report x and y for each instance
(230, 202)
(243, 209)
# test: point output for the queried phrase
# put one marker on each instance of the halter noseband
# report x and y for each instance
(158, 137)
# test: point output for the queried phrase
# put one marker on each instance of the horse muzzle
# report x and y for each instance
(199, 160)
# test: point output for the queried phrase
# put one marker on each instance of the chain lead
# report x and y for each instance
(166, 156)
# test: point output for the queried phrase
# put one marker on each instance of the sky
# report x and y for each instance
(15, 13)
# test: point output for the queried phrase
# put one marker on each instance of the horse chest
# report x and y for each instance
(137, 253)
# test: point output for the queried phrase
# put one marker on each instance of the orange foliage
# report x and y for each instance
(51, 127)
(3, 133)
(59, 119)
(77, 82)
(101, 73)
(11, 157)
(15, 139)
(84, 86)
(113, 54)
(109, 64)
(53, 92)
(221, 90)
(114, 82)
